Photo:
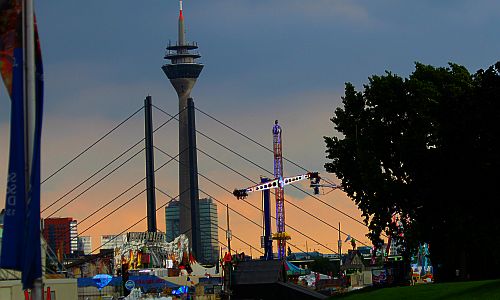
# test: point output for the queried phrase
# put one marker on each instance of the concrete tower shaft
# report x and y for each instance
(182, 71)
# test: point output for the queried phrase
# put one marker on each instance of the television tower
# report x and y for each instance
(182, 71)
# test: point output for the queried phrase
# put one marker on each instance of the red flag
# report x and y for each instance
(192, 260)
(227, 257)
(10, 38)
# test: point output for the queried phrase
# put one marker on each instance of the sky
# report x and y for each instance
(264, 60)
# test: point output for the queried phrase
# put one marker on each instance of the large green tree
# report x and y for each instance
(426, 148)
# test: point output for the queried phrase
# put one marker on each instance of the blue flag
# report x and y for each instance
(348, 238)
(11, 63)
(32, 261)
(21, 236)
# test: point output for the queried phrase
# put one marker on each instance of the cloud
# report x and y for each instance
(340, 9)
(81, 88)
(281, 10)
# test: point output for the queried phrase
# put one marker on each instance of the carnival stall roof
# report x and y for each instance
(354, 261)
(200, 270)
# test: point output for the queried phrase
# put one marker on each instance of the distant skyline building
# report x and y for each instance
(61, 234)
(112, 241)
(182, 71)
(172, 220)
(85, 244)
(73, 236)
(209, 233)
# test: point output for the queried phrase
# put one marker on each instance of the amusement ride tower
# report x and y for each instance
(182, 71)
(277, 184)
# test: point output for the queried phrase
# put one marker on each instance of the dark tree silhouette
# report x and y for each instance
(426, 148)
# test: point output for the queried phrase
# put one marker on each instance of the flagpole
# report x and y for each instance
(30, 109)
(29, 85)
(340, 246)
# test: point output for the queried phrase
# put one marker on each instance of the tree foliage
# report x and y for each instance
(323, 265)
(426, 148)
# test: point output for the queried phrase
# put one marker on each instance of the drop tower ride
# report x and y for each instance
(182, 71)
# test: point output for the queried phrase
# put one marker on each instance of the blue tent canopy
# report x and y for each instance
(293, 270)
(152, 283)
(88, 281)
(102, 280)
(145, 282)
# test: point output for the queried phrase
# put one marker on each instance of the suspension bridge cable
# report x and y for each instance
(131, 226)
(100, 220)
(142, 219)
(286, 159)
(96, 183)
(119, 234)
(92, 145)
(254, 207)
(91, 176)
(87, 260)
(217, 240)
(138, 142)
(125, 191)
(222, 187)
(291, 227)
(115, 198)
(258, 250)
(254, 141)
(200, 174)
(291, 203)
(217, 184)
(265, 170)
(128, 201)
(115, 210)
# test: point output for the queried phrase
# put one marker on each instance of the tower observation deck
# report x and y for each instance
(182, 71)
(182, 57)
(183, 60)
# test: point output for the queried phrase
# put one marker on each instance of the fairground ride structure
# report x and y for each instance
(278, 183)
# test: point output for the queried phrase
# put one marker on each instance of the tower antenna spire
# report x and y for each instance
(181, 26)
